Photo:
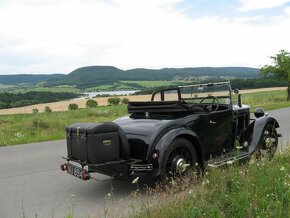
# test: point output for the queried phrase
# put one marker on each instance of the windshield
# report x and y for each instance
(205, 93)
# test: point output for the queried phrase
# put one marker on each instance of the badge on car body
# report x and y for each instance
(107, 142)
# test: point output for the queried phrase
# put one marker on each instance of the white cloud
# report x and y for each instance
(60, 36)
(287, 10)
(250, 5)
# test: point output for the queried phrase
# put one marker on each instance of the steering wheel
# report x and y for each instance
(201, 106)
(214, 99)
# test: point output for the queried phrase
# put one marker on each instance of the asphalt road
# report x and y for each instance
(32, 185)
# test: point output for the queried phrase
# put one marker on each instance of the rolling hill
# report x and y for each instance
(94, 75)
(27, 78)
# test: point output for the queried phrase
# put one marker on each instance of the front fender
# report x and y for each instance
(164, 142)
(257, 128)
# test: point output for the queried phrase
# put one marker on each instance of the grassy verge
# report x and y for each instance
(26, 128)
(268, 100)
(256, 189)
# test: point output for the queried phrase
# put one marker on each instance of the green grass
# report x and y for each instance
(149, 84)
(26, 128)
(49, 89)
(267, 100)
(3, 86)
(116, 86)
(256, 189)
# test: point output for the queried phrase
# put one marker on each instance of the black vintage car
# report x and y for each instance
(203, 125)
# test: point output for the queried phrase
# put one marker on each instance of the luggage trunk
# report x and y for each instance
(93, 143)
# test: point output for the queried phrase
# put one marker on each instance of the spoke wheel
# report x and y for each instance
(179, 158)
(269, 144)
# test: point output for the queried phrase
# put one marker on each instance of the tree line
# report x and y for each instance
(11, 100)
(255, 83)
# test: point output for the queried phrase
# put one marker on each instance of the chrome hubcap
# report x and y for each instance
(270, 142)
(181, 165)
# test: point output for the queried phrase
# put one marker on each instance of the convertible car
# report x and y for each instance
(181, 128)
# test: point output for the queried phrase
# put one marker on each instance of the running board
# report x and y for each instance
(228, 158)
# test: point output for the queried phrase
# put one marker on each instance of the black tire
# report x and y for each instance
(179, 151)
(269, 145)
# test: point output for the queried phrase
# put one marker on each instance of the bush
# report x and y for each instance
(91, 103)
(73, 106)
(34, 110)
(114, 101)
(38, 123)
(125, 101)
(47, 109)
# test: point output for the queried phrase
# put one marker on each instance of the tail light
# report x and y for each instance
(63, 167)
(86, 176)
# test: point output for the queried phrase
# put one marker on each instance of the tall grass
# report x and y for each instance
(256, 189)
(268, 100)
(26, 128)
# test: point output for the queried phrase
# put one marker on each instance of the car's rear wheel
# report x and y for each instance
(269, 145)
(179, 159)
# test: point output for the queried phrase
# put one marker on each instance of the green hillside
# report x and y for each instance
(93, 76)
(27, 78)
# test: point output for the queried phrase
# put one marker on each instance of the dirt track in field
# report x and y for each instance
(63, 105)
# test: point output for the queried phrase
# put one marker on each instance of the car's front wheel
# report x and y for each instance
(269, 143)
(179, 158)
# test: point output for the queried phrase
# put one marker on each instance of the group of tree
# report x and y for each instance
(12, 100)
(47, 109)
(91, 103)
(279, 69)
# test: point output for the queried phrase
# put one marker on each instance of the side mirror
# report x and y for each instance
(259, 112)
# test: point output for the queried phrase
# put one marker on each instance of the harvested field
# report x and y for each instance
(63, 105)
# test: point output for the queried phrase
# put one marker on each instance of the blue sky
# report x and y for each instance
(54, 36)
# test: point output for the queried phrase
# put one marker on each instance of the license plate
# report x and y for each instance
(75, 171)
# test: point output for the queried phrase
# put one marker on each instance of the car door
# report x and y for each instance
(219, 127)
(214, 130)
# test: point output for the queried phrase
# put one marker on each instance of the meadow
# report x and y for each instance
(26, 128)
(48, 89)
(254, 189)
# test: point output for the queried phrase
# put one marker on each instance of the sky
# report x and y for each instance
(58, 36)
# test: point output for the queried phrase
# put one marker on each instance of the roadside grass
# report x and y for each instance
(270, 100)
(255, 189)
(27, 128)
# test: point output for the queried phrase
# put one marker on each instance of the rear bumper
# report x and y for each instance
(118, 168)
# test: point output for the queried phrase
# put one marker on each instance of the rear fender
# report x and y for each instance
(256, 130)
(164, 142)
